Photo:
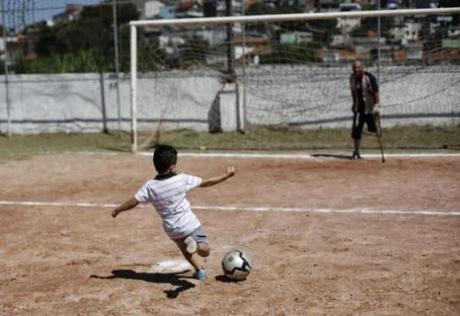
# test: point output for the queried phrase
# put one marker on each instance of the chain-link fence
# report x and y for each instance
(297, 73)
(222, 77)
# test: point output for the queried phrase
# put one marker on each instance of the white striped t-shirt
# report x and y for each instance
(168, 196)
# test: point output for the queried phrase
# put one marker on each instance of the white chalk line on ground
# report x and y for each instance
(245, 208)
(304, 156)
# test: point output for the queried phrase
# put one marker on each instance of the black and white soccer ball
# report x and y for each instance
(236, 265)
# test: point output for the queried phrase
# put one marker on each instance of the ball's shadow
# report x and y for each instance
(173, 278)
(224, 279)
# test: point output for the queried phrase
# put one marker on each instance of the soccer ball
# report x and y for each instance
(236, 265)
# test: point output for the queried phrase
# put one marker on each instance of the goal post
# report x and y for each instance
(162, 60)
(133, 86)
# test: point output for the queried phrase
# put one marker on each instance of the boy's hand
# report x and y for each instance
(215, 180)
(230, 171)
(127, 205)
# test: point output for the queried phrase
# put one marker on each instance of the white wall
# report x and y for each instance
(306, 96)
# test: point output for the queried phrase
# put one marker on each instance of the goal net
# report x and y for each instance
(291, 70)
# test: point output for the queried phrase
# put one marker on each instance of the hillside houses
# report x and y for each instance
(402, 39)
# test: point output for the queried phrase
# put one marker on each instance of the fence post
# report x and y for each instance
(6, 61)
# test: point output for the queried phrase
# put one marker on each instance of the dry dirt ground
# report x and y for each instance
(76, 260)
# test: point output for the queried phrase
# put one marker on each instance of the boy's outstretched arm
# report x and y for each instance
(215, 180)
(127, 205)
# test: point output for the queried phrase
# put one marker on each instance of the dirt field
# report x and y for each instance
(77, 260)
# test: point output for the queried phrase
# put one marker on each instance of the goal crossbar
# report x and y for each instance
(294, 17)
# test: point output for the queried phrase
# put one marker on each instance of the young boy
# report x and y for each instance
(167, 193)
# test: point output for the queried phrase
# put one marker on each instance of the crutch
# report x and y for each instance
(379, 133)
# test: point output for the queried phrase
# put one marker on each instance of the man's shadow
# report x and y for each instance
(172, 278)
(336, 156)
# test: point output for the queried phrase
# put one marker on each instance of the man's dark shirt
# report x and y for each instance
(359, 89)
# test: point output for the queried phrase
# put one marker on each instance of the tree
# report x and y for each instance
(291, 54)
(448, 3)
(323, 30)
(67, 46)
(260, 8)
(371, 24)
(151, 57)
(192, 52)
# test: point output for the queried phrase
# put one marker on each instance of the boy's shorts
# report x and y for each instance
(199, 235)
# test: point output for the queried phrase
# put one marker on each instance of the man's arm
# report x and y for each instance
(376, 94)
(127, 205)
(215, 180)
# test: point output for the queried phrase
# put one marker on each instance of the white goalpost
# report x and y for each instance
(271, 53)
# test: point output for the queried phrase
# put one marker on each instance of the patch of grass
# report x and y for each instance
(61, 142)
(260, 138)
(286, 138)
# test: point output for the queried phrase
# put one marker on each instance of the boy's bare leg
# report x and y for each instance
(194, 259)
(203, 250)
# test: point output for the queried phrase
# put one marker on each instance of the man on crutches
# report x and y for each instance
(366, 101)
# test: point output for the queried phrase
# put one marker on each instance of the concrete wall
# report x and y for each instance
(307, 97)
(89, 103)
(61, 103)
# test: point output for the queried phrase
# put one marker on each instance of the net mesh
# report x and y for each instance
(221, 77)
(297, 73)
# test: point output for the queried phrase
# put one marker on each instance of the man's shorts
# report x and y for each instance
(199, 235)
(358, 124)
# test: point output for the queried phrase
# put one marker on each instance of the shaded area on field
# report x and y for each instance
(336, 156)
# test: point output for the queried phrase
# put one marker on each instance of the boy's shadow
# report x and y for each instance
(172, 278)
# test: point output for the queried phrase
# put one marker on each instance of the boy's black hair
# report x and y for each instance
(163, 157)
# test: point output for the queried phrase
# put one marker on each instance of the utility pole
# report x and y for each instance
(244, 79)
(229, 12)
(5, 65)
(117, 65)
(379, 34)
